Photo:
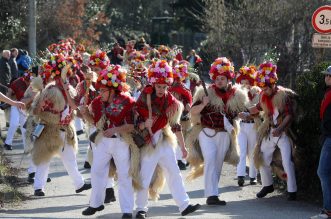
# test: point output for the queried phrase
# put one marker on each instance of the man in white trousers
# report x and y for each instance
(248, 128)
(112, 113)
(217, 113)
(160, 115)
(17, 116)
(277, 104)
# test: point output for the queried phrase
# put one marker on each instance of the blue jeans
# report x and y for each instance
(324, 173)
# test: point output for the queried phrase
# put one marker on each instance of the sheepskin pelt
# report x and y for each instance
(278, 102)
(237, 103)
(157, 183)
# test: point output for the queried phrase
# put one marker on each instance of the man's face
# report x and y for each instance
(6, 55)
(245, 83)
(268, 90)
(160, 89)
(14, 53)
(105, 93)
(221, 82)
(327, 79)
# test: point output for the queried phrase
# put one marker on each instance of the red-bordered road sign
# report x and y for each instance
(321, 19)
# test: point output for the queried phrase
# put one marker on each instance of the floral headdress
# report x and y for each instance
(266, 75)
(136, 56)
(80, 48)
(45, 71)
(247, 73)
(163, 49)
(99, 59)
(180, 71)
(56, 63)
(114, 76)
(160, 72)
(221, 66)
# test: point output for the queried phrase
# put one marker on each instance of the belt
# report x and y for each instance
(247, 121)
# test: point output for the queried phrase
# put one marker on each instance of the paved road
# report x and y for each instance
(61, 201)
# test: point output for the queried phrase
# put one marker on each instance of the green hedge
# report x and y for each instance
(311, 87)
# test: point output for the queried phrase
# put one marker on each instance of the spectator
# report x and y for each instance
(116, 54)
(13, 64)
(23, 61)
(5, 74)
(194, 60)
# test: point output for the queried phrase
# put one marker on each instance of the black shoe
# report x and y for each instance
(214, 200)
(84, 187)
(110, 196)
(190, 209)
(49, 179)
(252, 181)
(87, 165)
(241, 181)
(187, 164)
(291, 196)
(8, 147)
(80, 132)
(141, 214)
(126, 216)
(31, 177)
(39, 192)
(264, 191)
(181, 165)
(91, 211)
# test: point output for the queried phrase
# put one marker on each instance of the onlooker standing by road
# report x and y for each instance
(23, 61)
(5, 73)
(13, 64)
(324, 167)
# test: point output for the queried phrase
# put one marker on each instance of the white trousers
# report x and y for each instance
(247, 141)
(79, 124)
(268, 146)
(179, 154)
(106, 149)
(68, 157)
(164, 155)
(17, 119)
(213, 150)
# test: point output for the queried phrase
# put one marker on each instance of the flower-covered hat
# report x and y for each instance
(247, 73)
(266, 75)
(99, 59)
(136, 56)
(80, 48)
(113, 76)
(163, 49)
(221, 66)
(56, 63)
(180, 71)
(160, 72)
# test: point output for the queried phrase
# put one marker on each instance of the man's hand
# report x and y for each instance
(19, 104)
(109, 132)
(149, 123)
(277, 132)
(205, 101)
(184, 152)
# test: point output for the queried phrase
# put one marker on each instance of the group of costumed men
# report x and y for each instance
(144, 116)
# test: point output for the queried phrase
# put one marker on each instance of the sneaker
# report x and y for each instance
(181, 165)
(252, 181)
(8, 147)
(91, 211)
(80, 132)
(190, 209)
(241, 181)
(214, 200)
(110, 196)
(291, 196)
(323, 214)
(39, 192)
(87, 165)
(264, 191)
(126, 216)
(141, 214)
(84, 187)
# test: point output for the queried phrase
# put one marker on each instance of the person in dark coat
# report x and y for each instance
(13, 64)
(5, 72)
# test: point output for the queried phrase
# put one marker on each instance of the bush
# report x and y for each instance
(310, 88)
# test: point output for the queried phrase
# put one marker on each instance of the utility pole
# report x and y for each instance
(32, 28)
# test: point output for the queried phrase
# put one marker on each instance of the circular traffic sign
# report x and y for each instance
(321, 19)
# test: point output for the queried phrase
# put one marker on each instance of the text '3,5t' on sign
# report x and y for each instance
(321, 19)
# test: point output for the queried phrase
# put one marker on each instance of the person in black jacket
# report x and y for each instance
(5, 73)
(324, 167)
(13, 64)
